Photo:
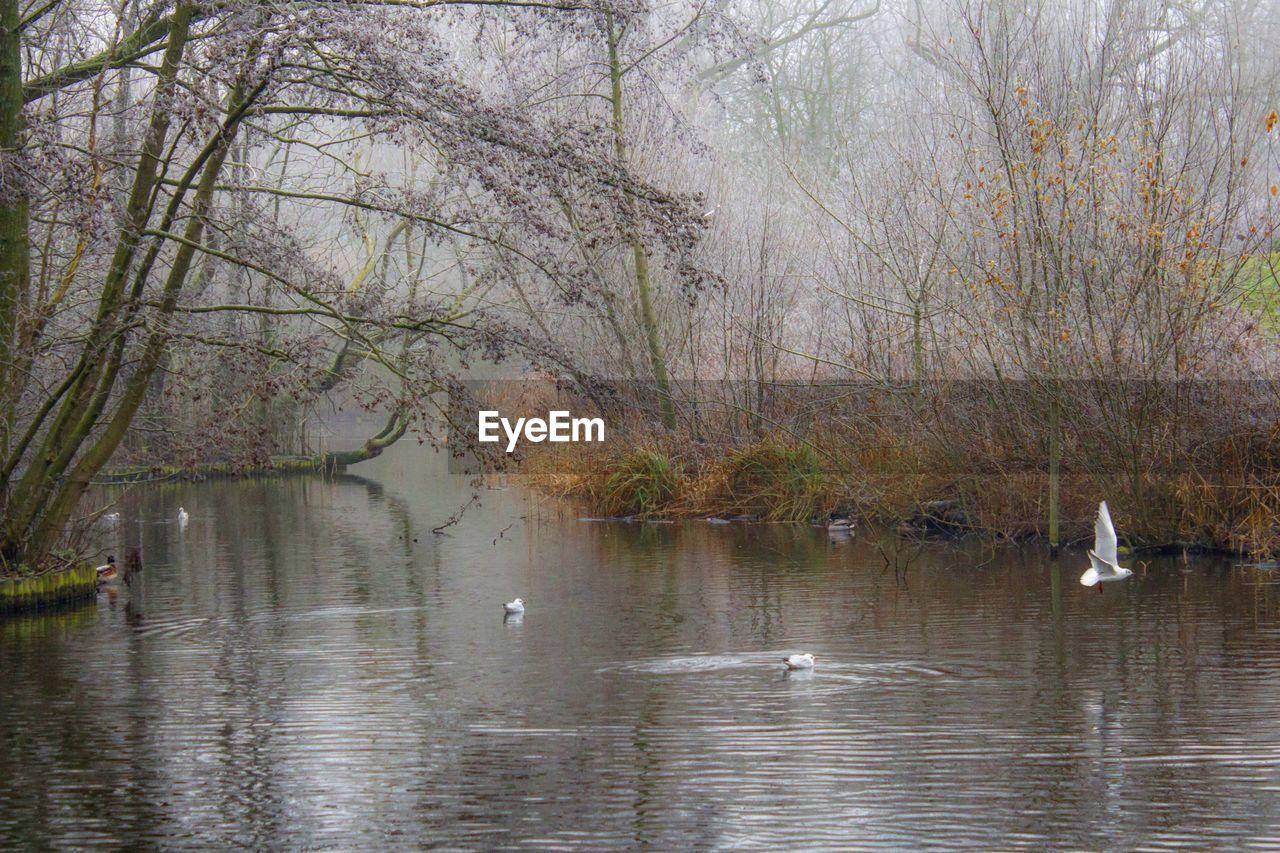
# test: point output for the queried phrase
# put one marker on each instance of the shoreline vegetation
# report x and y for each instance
(1187, 467)
(651, 483)
(778, 479)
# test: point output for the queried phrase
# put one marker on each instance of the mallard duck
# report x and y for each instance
(1103, 565)
(108, 574)
(840, 524)
(516, 606)
(800, 661)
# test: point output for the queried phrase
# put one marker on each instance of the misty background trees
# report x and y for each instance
(221, 221)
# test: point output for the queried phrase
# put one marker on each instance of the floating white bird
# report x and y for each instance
(182, 517)
(1103, 567)
(803, 661)
(108, 574)
(516, 606)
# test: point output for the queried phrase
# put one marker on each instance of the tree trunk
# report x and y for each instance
(640, 257)
(395, 429)
(45, 534)
(15, 245)
(1055, 466)
(85, 432)
(94, 375)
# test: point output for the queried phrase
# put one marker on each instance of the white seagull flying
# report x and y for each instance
(1103, 567)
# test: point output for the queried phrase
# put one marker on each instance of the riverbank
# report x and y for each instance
(278, 465)
(62, 586)
(918, 489)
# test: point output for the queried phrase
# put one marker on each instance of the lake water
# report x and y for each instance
(307, 665)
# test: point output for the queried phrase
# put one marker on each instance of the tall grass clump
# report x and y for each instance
(777, 480)
(643, 482)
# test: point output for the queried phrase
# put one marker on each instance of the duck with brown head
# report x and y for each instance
(108, 573)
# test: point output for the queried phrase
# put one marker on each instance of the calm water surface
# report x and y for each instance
(307, 665)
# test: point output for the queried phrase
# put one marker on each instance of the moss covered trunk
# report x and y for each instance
(15, 246)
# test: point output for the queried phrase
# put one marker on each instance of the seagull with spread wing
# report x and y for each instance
(1103, 567)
